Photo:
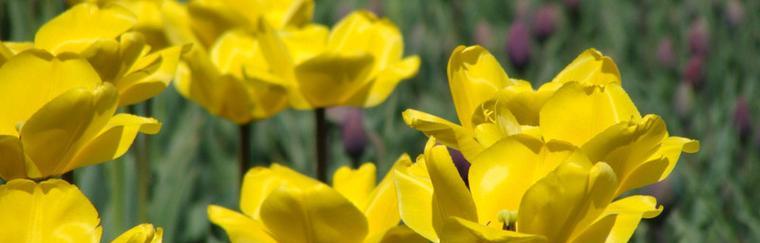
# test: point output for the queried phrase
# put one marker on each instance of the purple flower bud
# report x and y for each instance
(518, 44)
(463, 166)
(665, 54)
(699, 37)
(545, 22)
(734, 13)
(693, 73)
(354, 135)
(483, 33)
(742, 119)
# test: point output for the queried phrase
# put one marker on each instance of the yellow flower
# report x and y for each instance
(149, 19)
(121, 57)
(584, 105)
(281, 205)
(210, 19)
(58, 116)
(548, 193)
(56, 211)
(212, 73)
(358, 63)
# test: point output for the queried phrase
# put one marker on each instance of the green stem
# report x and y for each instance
(321, 142)
(143, 169)
(244, 151)
(116, 181)
(142, 165)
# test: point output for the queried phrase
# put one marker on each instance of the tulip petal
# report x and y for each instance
(630, 210)
(12, 166)
(415, 197)
(400, 234)
(317, 214)
(259, 182)
(331, 79)
(79, 27)
(444, 131)
(577, 111)
(461, 230)
(143, 233)
(355, 185)
(475, 76)
(51, 211)
(33, 78)
(114, 139)
(591, 66)
(501, 174)
(149, 82)
(239, 228)
(52, 137)
(451, 198)
(382, 206)
(568, 199)
(598, 231)
(387, 79)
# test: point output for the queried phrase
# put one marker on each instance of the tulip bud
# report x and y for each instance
(518, 44)
(463, 166)
(545, 22)
(734, 12)
(483, 33)
(354, 135)
(742, 119)
(699, 38)
(665, 54)
(693, 73)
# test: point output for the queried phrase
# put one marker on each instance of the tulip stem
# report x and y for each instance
(321, 142)
(143, 169)
(245, 148)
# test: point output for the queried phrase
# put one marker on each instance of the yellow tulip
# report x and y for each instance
(149, 19)
(549, 193)
(584, 105)
(210, 19)
(59, 116)
(56, 211)
(358, 63)
(121, 57)
(281, 205)
(212, 73)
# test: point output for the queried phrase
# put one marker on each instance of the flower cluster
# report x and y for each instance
(553, 164)
(547, 165)
(60, 99)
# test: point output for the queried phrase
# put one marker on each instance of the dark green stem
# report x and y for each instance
(321, 142)
(244, 155)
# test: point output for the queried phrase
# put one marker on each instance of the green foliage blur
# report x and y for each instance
(694, 62)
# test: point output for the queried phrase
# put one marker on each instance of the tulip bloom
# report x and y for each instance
(58, 116)
(550, 193)
(281, 205)
(120, 56)
(56, 211)
(584, 106)
(358, 63)
(224, 42)
(149, 19)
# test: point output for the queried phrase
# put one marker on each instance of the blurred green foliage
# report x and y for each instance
(711, 197)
